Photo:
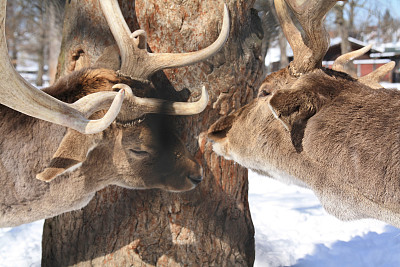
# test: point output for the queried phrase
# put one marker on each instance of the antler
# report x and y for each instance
(19, 95)
(372, 79)
(310, 48)
(133, 46)
(153, 105)
(342, 60)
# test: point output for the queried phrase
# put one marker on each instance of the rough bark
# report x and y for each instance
(208, 226)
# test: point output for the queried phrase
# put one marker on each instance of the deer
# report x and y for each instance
(320, 128)
(93, 128)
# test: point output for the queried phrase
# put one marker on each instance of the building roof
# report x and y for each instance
(377, 51)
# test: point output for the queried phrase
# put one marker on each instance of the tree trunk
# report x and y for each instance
(12, 33)
(208, 226)
(284, 60)
(41, 47)
(344, 35)
(53, 42)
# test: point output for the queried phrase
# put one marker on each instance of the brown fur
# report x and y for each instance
(140, 154)
(305, 97)
(347, 148)
(87, 81)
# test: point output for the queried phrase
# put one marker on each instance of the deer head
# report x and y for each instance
(320, 128)
(138, 150)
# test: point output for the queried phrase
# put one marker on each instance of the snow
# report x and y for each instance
(274, 54)
(390, 85)
(21, 246)
(292, 229)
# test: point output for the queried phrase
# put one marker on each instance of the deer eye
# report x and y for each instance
(139, 153)
(263, 93)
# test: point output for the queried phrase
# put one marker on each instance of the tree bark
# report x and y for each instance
(208, 226)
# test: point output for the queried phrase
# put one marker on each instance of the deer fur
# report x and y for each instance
(328, 132)
(144, 153)
(139, 150)
(321, 128)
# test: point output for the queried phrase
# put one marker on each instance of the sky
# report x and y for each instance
(393, 5)
(382, 6)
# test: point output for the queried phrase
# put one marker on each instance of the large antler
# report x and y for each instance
(19, 95)
(310, 46)
(153, 105)
(137, 62)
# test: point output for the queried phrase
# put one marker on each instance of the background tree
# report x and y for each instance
(343, 28)
(55, 18)
(273, 29)
(209, 226)
(16, 22)
(389, 30)
(33, 29)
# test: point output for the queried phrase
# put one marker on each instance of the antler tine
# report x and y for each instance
(137, 63)
(173, 60)
(153, 105)
(309, 49)
(19, 95)
(342, 60)
(372, 79)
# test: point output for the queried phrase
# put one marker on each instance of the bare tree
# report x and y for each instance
(55, 15)
(389, 27)
(34, 28)
(41, 42)
(209, 226)
(16, 23)
(47, 18)
(274, 29)
(343, 29)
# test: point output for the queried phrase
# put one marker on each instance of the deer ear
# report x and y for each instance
(70, 155)
(293, 108)
(220, 128)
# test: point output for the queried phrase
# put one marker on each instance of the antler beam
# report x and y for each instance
(133, 47)
(153, 105)
(19, 95)
(309, 47)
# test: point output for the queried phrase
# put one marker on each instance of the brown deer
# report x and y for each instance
(139, 150)
(321, 128)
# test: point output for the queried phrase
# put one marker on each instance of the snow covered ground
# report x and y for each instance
(21, 246)
(292, 229)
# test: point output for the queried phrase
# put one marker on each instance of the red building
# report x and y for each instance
(365, 64)
(369, 62)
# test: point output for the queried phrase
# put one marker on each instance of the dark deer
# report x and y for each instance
(321, 128)
(139, 150)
